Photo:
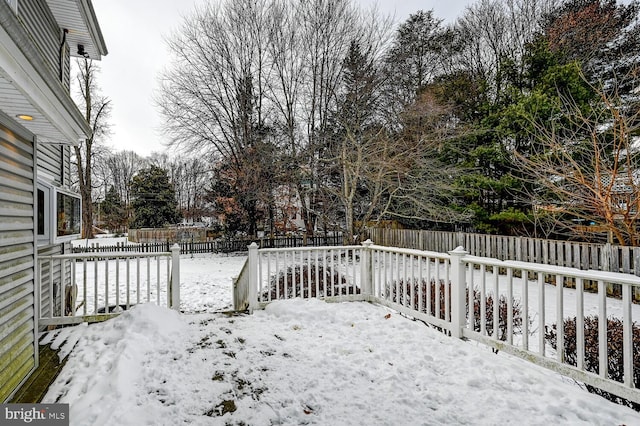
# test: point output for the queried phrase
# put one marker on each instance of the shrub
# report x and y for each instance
(329, 283)
(404, 295)
(591, 361)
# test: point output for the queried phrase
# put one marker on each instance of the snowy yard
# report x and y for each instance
(300, 362)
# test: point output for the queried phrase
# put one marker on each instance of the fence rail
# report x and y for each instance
(604, 257)
(513, 306)
(218, 246)
(103, 285)
(584, 256)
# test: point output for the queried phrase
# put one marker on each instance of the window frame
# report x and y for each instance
(66, 237)
(50, 214)
(43, 208)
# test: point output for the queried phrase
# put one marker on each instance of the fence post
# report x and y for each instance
(365, 271)
(174, 283)
(606, 260)
(253, 276)
(458, 291)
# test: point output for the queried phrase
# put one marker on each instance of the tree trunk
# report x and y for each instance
(87, 213)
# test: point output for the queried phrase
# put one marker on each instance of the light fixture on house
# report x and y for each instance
(82, 52)
(25, 117)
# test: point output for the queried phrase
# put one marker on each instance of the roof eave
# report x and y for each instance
(22, 66)
(94, 26)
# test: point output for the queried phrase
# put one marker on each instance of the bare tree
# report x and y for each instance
(491, 31)
(329, 28)
(261, 77)
(193, 183)
(122, 167)
(97, 109)
(427, 190)
(376, 173)
(213, 97)
(586, 169)
(101, 175)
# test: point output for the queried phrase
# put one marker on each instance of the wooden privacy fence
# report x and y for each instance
(101, 286)
(515, 304)
(604, 257)
(175, 234)
(218, 246)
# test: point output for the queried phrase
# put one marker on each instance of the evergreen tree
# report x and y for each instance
(603, 36)
(414, 59)
(355, 135)
(154, 201)
(114, 212)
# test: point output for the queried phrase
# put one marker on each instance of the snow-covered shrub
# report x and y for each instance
(615, 355)
(402, 293)
(304, 281)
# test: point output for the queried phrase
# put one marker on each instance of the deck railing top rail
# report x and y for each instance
(106, 255)
(590, 274)
(305, 249)
(581, 255)
(410, 251)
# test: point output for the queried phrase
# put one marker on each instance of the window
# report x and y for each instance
(59, 214)
(41, 203)
(68, 214)
(44, 214)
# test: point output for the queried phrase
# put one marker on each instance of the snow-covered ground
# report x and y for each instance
(299, 362)
(205, 281)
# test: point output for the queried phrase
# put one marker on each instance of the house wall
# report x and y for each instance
(36, 45)
(52, 159)
(36, 16)
(18, 347)
(54, 167)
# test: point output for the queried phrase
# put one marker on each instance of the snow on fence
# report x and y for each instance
(530, 310)
(604, 257)
(100, 286)
(217, 246)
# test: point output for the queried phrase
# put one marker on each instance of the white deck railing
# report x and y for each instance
(97, 286)
(332, 273)
(531, 300)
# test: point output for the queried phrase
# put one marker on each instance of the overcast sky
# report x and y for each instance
(134, 31)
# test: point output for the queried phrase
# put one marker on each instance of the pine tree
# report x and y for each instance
(154, 199)
(356, 134)
(415, 58)
(114, 212)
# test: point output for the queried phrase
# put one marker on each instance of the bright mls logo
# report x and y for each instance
(36, 414)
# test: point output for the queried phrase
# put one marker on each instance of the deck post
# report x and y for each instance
(458, 291)
(174, 283)
(366, 273)
(253, 276)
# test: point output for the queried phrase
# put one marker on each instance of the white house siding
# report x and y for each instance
(17, 270)
(50, 163)
(53, 168)
(38, 20)
(45, 302)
